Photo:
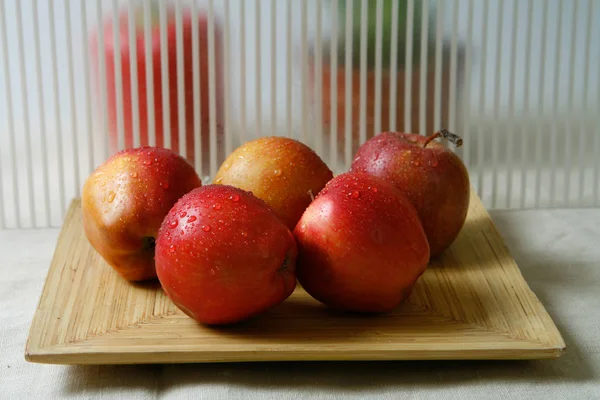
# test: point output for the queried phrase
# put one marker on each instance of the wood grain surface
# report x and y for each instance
(472, 303)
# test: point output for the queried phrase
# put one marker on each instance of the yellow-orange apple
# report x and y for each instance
(283, 172)
(125, 200)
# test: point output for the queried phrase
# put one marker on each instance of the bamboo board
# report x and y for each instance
(473, 303)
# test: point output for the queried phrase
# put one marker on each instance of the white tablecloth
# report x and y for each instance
(557, 250)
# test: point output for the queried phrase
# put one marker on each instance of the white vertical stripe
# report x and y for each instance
(497, 74)
(333, 95)
(101, 80)
(257, 56)
(116, 37)
(244, 128)
(466, 112)
(57, 112)
(2, 191)
(423, 70)
(180, 80)
(133, 71)
(378, 38)
(348, 88)
(596, 154)
(364, 12)
(452, 99)
(9, 118)
(288, 93)
(87, 93)
(394, 67)
(480, 133)
(544, 42)
(73, 112)
(42, 111)
(410, 13)
(525, 130)
(273, 68)
(26, 115)
(511, 105)
(150, 109)
(164, 50)
(198, 150)
(227, 80)
(569, 126)
(583, 128)
(437, 109)
(212, 93)
(304, 60)
(555, 92)
(318, 104)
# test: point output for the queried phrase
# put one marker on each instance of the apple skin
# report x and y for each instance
(223, 256)
(124, 202)
(283, 172)
(433, 178)
(361, 245)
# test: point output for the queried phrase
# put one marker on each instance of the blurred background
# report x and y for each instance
(518, 80)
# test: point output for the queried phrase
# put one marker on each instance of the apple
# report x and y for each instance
(283, 172)
(155, 110)
(124, 202)
(433, 178)
(361, 245)
(223, 256)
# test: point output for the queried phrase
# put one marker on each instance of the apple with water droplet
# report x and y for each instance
(222, 255)
(283, 172)
(124, 202)
(433, 178)
(361, 245)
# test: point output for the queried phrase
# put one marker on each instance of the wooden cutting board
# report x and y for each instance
(473, 303)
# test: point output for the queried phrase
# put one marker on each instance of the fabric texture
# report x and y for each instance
(556, 250)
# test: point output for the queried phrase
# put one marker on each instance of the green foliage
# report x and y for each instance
(386, 30)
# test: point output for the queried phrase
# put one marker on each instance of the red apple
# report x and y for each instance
(124, 202)
(156, 108)
(361, 245)
(283, 172)
(433, 178)
(223, 256)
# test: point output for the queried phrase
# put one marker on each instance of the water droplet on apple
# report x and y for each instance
(416, 163)
(374, 189)
(277, 172)
(433, 162)
(355, 194)
(244, 233)
(218, 180)
(206, 228)
(217, 206)
(182, 214)
(147, 162)
(234, 197)
(165, 185)
(192, 218)
(111, 197)
(133, 174)
(172, 247)
(226, 166)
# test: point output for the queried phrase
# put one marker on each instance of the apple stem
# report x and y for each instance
(444, 133)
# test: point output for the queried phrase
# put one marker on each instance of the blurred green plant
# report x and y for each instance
(386, 30)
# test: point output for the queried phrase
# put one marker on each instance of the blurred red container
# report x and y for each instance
(156, 109)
